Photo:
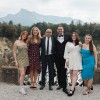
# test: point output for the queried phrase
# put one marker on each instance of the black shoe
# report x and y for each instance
(54, 83)
(77, 83)
(70, 84)
(42, 87)
(82, 84)
(91, 87)
(40, 82)
(59, 87)
(71, 92)
(50, 88)
(65, 91)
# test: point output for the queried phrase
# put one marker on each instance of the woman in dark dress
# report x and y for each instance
(34, 55)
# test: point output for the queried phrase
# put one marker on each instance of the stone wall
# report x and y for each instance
(6, 54)
(9, 74)
(97, 72)
(98, 60)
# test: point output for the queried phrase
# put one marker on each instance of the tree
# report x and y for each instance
(72, 26)
(10, 22)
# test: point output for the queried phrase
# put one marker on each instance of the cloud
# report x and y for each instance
(79, 9)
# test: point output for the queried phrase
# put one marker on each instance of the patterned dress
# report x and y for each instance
(34, 57)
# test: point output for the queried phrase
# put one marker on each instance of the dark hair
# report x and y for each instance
(77, 38)
(90, 44)
(60, 26)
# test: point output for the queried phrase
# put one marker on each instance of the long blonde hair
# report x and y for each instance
(38, 37)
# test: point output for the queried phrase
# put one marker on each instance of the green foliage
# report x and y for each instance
(12, 31)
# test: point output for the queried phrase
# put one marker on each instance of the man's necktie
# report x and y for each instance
(47, 45)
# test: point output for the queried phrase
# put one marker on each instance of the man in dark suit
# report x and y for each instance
(47, 56)
(60, 40)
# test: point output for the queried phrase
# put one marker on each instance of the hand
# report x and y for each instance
(16, 64)
(80, 44)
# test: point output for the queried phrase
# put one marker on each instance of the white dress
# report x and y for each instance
(73, 56)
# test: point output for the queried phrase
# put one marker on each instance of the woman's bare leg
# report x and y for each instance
(89, 83)
(22, 75)
(35, 77)
(31, 77)
(74, 79)
(85, 89)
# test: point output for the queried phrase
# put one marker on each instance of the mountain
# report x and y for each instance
(28, 18)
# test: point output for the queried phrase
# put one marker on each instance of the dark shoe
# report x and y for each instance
(70, 84)
(50, 88)
(59, 87)
(65, 91)
(91, 87)
(42, 87)
(31, 87)
(77, 83)
(40, 82)
(82, 84)
(71, 92)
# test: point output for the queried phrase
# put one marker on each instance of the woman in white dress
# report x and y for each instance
(73, 60)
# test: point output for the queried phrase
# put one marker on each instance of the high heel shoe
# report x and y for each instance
(33, 85)
(86, 91)
(71, 92)
(91, 88)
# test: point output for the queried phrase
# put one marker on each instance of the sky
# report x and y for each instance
(85, 10)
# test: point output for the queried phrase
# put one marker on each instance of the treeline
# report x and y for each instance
(13, 31)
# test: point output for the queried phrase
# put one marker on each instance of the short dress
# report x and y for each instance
(73, 56)
(88, 63)
(34, 57)
(22, 56)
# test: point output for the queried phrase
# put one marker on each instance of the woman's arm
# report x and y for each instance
(95, 56)
(28, 40)
(66, 54)
(80, 44)
(14, 53)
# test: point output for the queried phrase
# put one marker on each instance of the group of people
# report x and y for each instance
(33, 54)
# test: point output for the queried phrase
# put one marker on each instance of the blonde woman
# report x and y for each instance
(89, 63)
(34, 55)
(21, 60)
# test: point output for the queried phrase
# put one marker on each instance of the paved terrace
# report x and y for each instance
(10, 92)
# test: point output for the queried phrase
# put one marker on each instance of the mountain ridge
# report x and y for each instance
(28, 18)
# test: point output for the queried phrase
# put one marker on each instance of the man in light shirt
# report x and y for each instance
(47, 56)
(60, 41)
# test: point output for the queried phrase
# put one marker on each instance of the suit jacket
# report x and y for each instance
(43, 48)
(60, 47)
